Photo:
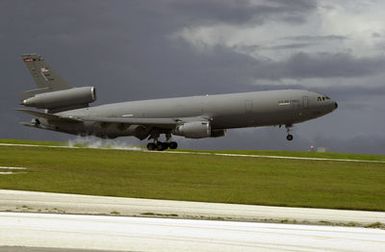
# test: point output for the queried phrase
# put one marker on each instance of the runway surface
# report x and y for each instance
(29, 222)
(206, 153)
(160, 234)
(12, 200)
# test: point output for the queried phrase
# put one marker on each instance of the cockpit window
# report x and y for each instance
(322, 98)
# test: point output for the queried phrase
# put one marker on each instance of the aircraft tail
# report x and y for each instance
(46, 79)
(53, 93)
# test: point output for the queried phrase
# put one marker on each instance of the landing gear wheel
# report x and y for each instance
(161, 146)
(151, 146)
(289, 136)
(173, 145)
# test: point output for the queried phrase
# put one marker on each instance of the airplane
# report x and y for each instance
(61, 107)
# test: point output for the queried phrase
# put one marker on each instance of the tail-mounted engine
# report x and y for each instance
(62, 99)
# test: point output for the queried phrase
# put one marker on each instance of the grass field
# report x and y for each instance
(326, 184)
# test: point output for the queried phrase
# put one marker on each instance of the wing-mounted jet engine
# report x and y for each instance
(198, 129)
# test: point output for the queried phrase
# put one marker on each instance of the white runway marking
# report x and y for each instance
(10, 170)
(154, 234)
(279, 157)
(208, 153)
(6, 173)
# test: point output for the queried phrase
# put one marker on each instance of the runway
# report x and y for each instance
(12, 200)
(206, 153)
(160, 234)
(40, 221)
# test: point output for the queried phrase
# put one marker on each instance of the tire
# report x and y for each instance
(173, 145)
(151, 146)
(289, 137)
(161, 146)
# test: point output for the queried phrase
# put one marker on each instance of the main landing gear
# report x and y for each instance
(161, 146)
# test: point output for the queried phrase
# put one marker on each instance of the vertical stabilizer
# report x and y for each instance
(46, 79)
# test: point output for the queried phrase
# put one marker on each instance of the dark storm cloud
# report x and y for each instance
(217, 10)
(325, 38)
(130, 39)
(126, 49)
(321, 65)
(302, 42)
(354, 91)
(259, 48)
(295, 42)
(348, 91)
(243, 11)
(289, 46)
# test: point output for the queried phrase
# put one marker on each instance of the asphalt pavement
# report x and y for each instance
(115, 233)
(27, 201)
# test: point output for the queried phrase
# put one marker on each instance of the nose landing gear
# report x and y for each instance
(289, 136)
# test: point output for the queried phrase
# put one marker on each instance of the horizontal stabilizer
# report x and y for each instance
(49, 117)
(30, 93)
(28, 124)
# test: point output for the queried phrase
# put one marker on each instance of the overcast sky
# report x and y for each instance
(139, 49)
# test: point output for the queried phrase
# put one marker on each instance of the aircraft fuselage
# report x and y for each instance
(225, 111)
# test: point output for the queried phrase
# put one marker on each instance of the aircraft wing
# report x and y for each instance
(154, 122)
(168, 123)
(164, 122)
(50, 117)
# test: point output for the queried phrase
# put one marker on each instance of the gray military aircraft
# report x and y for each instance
(66, 109)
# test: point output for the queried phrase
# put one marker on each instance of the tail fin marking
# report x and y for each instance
(46, 79)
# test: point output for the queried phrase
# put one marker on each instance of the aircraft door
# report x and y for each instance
(306, 102)
(249, 119)
(248, 106)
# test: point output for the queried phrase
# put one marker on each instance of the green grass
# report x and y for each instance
(208, 178)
